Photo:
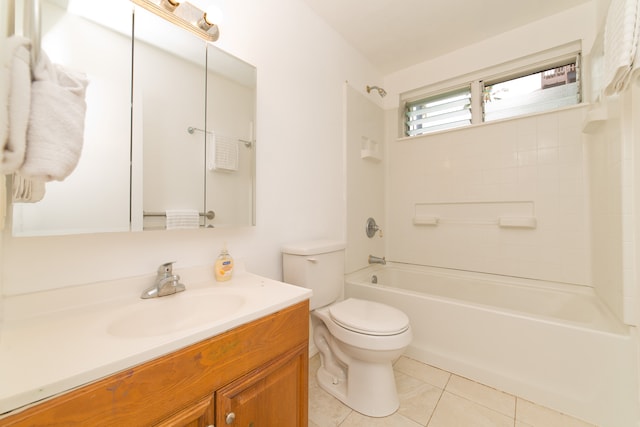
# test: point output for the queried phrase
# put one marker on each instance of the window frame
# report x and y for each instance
(561, 55)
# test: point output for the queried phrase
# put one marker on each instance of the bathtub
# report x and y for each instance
(553, 344)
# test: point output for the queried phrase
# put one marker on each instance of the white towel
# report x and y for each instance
(56, 123)
(12, 150)
(27, 190)
(225, 154)
(181, 219)
(621, 34)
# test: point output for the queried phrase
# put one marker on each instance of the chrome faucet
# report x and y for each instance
(166, 283)
(376, 260)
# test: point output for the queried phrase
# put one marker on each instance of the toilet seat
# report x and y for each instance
(369, 317)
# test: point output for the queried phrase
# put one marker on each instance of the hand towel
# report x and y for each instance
(225, 154)
(621, 34)
(17, 104)
(56, 123)
(181, 219)
(27, 190)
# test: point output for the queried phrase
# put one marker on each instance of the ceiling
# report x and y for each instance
(394, 34)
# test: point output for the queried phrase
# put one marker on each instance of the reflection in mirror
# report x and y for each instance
(169, 83)
(145, 159)
(95, 197)
(230, 155)
(193, 114)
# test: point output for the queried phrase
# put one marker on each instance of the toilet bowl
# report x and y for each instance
(356, 363)
(358, 340)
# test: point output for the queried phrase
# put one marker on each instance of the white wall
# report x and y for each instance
(300, 161)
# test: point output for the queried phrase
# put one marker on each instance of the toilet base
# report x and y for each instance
(368, 388)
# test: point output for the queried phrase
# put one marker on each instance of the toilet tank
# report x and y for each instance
(317, 265)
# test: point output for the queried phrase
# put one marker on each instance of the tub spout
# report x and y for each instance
(376, 260)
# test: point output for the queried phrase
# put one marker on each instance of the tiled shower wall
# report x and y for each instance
(365, 177)
(611, 163)
(537, 159)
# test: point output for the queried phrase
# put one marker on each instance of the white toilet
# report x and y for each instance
(358, 340)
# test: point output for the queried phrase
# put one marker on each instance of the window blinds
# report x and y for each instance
(444, 111)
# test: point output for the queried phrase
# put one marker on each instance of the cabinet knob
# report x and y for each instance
(230, 418)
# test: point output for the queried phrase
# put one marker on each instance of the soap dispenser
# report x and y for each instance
(224, 265)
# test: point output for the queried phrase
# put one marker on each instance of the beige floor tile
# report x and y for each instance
(314, 364)
(417, 399)
(324, 409)
(456, 411)
(490, 397)
(421, 371)
(531, 415)
(356, 419)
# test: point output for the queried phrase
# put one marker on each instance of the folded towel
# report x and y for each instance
(27, 190)
(13, 144)
(56, 123)
(225, 153)
(180, 219)
(621, 34)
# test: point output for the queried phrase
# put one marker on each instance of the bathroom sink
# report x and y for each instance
(174, 313)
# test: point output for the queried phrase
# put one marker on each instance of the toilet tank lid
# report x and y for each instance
(313, 247)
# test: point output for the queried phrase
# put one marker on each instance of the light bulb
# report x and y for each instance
(213, 14)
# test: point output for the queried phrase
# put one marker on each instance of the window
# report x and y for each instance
(444, 111)
(540, 91)
(510, 92)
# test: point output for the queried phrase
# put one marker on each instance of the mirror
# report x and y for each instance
(186, 145)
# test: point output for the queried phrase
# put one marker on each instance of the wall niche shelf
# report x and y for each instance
(370, 149)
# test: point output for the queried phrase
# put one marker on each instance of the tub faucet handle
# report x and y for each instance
(371, 228)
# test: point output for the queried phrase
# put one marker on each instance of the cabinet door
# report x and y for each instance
(200, 414)
(273, 395)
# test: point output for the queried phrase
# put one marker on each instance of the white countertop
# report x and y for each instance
(53, 341)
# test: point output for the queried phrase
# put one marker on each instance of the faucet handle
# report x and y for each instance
(166, 269)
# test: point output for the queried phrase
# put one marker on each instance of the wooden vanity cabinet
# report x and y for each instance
(254, 375)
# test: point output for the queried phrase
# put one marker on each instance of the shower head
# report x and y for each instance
(381, 91)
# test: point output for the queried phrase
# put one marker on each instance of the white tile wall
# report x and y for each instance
(365, 178)
(609, 164)
(537, 158)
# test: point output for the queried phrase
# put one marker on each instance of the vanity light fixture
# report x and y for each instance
(184, 14)
(170, 5)
(204, 23)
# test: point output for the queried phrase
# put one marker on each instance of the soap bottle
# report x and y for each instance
(224, 265)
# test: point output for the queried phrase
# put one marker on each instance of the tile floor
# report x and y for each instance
(435, 398)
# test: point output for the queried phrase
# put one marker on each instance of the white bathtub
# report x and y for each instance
(554, 344)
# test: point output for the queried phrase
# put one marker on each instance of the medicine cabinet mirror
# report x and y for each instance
(169, 125)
